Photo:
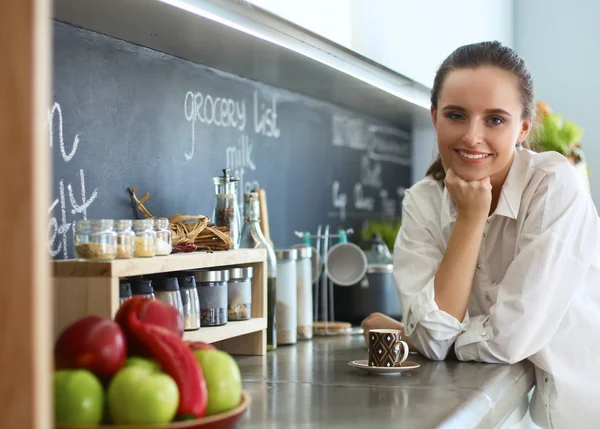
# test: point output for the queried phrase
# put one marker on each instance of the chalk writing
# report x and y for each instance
(370, 173)
(361, 202)
(265, 118)
(59, 227)
(239, 160)
(388, 205)
(209, 110)
(340, 200)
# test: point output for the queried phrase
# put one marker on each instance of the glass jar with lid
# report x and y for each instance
(304, 293)
(212, 293)
(190, 301)
(287, 319)
(239, 294)
(142, 287)
(166, 289)
(95, 240)
(125, 239)
(227, 211)
(145, 238)
(164, 244)
(124, 291)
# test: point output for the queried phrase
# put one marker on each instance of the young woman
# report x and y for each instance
(498, 257)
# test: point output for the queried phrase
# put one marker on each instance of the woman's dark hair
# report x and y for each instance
(480, 55)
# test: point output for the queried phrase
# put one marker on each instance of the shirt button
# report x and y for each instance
(483, 333)
(489, 220)
(479, 266)
(488, 298)
(485, 234)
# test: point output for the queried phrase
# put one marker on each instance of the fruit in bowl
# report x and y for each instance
(223, 380)
(165, 381)
(78, 397)
(91, 343)
(141, 393)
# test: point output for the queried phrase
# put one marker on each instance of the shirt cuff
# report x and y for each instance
(424, 311)
(476, 332)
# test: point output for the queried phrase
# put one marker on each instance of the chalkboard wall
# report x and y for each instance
(125, 116)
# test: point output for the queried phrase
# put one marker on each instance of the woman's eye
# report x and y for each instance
(495, 120)
(455, 116)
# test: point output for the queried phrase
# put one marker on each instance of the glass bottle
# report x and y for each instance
(227, 211)
(145, 238)
(163, 237)
(125, 239)
(253, 238)
(95, 240)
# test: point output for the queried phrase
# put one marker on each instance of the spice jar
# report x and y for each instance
(212, 293)
(227, 211)
(286, 296)
(166, 289)
(125, 239)
(304, 293)
(145, 238)
(142, 287)
(95, 240)
(164, 244)
(190, 301)
(239, 294)
(124, 291)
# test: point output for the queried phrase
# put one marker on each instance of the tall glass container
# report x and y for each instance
(253, 238)
(227, 211)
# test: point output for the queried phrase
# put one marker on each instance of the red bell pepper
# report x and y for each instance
(174, 356)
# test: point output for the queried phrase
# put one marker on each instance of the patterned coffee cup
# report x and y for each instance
(384, 348)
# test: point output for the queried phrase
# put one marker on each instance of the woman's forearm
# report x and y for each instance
(454, 277)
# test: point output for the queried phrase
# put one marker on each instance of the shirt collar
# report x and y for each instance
(510, 196)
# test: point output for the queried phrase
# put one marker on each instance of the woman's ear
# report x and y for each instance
(433, 115)
(526, 126)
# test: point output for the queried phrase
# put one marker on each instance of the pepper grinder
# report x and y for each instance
(227, 210)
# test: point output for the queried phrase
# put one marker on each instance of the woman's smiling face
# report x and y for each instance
(479, 120)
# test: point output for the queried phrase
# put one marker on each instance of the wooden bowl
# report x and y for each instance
(220, 421)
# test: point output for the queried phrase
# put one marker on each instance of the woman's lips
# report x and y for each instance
(472, 156)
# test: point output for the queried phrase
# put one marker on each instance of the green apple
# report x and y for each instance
(78, 397)
(140, 394)
(149, 364)
(223, 380)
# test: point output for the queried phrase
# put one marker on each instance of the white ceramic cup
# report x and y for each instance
(346, 264)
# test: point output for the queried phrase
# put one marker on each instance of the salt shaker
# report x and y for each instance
(142, 287)
(124, 291)
(167, 290)
(190, 301)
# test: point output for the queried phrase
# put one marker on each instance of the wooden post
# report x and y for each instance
(25, 287)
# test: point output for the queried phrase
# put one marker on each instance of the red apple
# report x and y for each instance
(199, 345)
(91, 343)
(149, 311)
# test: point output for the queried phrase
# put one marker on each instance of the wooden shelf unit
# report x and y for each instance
(84, 288)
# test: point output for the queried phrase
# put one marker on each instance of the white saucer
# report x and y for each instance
(395, 370)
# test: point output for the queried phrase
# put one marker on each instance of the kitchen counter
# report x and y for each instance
(311, 385)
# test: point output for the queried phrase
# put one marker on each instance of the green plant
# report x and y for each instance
(555, 134)
(387, 229)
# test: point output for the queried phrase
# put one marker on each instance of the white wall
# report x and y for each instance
(414, 37)
(560, 41)
(409, 36)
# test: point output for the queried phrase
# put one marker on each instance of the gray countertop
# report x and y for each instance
(311, 385)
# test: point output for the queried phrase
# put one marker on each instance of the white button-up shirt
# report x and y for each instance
(536, 289)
